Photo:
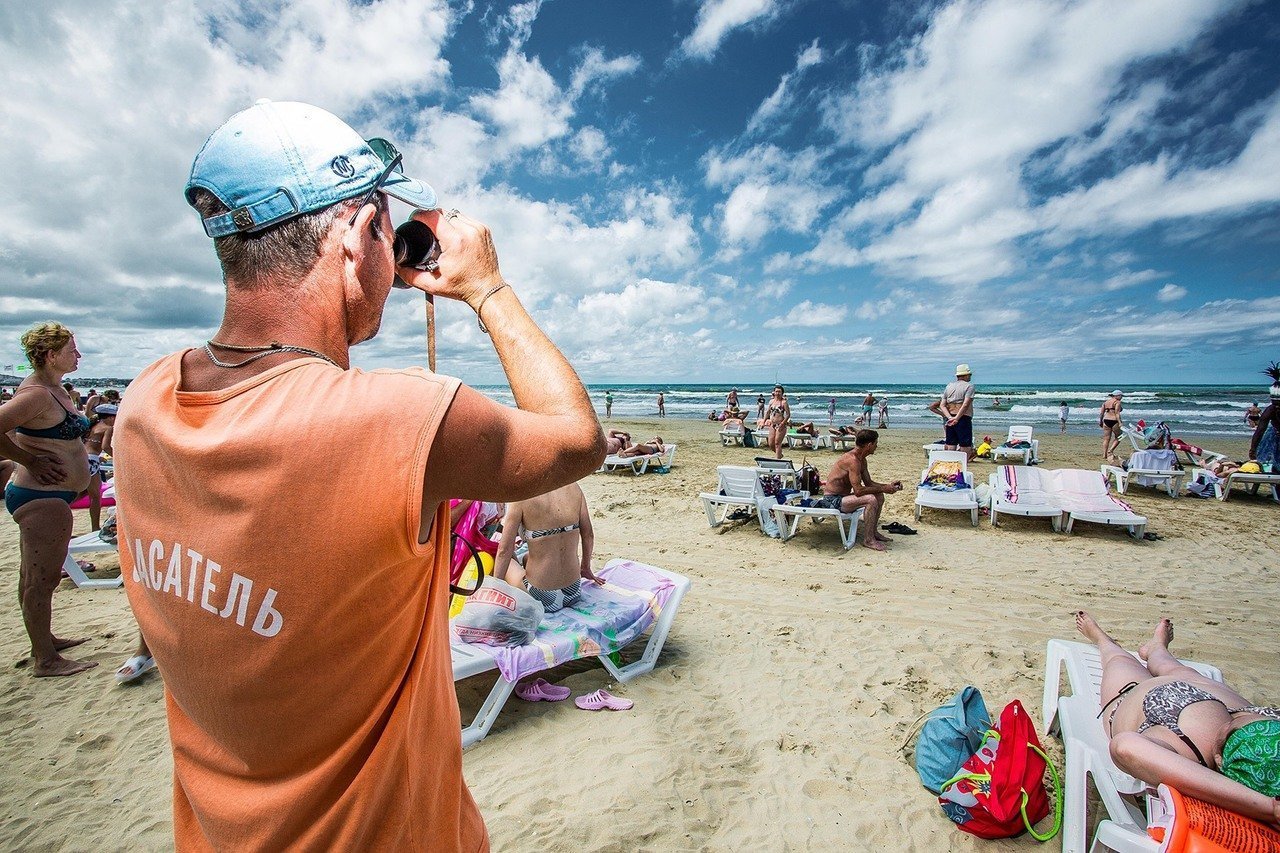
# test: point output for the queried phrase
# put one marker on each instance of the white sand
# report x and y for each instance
(773, 719)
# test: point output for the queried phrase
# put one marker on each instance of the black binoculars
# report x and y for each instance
(416, 246)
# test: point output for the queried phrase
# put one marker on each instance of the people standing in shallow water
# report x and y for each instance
(53, 469)
(1063, 411)
(1109, 421)
(608, 404)
(662, 405)
(1169, 724)
(760, 401)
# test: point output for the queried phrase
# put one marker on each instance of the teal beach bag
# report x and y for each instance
(949, 736)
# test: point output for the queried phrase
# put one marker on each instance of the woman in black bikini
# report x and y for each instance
(778, 415)
(1109, 420)
(1168, 723)
(53, 469)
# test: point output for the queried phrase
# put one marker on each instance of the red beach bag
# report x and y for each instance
(1000, 791)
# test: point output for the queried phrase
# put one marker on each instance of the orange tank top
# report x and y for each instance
(269, 545)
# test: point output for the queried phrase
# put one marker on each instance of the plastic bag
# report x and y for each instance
(499, 615)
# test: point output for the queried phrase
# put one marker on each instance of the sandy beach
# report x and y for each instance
(774, 717)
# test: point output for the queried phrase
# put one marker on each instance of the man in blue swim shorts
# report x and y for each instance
(956, 407)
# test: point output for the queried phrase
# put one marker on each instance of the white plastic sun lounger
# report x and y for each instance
(1088, 749)
(961, 499)
(738, 486)
(1026, 492)
(789, 515)
(1026, 454)
(1085, 497)
(840, 442)
(1254, 481)
(89, 543)
(639, 464)
(731, 435)
(1154, 468)
(805, 441)
(469, 660)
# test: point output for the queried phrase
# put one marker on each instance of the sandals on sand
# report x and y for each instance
(540, 690)
(602, 700)
(900, 529)
(134, 668)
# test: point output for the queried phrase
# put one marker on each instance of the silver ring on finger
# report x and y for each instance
(451, 213)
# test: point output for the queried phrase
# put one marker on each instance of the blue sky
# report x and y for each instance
(698, 190)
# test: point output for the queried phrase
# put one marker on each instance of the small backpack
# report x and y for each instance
(1000, 792)
(950, 735)
(807, 479)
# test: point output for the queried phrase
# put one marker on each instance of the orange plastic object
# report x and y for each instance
(1187, 825)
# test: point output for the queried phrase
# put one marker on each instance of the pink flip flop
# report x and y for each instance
(602, 700)
(540, 690)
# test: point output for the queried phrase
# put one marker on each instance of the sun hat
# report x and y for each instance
(1249, 757)
(106, 409)
(1117, 393)
(275, 161)
(963, 370)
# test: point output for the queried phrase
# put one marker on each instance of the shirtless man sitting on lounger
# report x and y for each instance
(616, 441)
(553, 525)
(1170, 724)
(849, 486)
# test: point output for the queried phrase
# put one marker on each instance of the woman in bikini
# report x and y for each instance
(553, 525)
(1109, 420)
(97, 444)
(53, 469)
(1168, 723)
(777, 414)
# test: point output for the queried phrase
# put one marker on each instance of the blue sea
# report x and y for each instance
(1188, 409)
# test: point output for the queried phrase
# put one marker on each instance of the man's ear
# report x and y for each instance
(358, 239)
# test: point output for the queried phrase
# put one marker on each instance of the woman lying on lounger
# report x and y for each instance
(644, 448)
(1168, 723)
(553, 525)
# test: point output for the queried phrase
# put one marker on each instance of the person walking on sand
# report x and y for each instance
(956, 407)
(1063, 411)
(42, 432)
(1109, 421)
(1168, 724)
(662, 405)
(849, 486)
(608, 404)
(777, 415)
(280, 741)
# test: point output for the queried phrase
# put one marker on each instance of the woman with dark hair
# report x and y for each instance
(53, 469)
(777, 414)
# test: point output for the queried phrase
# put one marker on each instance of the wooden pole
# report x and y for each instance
(431, 332)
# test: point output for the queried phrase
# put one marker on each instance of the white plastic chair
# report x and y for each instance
(1026, 454)
(89, 543)
(961, 499)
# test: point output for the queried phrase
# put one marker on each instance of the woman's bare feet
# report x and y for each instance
(62, 666)
(1086, 625)
(1162, 637)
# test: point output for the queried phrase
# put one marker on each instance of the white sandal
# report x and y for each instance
(134, 668)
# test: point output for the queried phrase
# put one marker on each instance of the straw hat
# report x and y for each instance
(963, 370)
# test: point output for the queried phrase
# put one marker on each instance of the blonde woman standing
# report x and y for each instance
(53, 469)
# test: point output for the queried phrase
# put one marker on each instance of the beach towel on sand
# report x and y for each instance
(605, 619)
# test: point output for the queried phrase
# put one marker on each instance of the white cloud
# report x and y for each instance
(1171, 293)
(772, 190)
(718, 18)
(773, 109)
(596, 69)
(1128, 278)
(809, 315)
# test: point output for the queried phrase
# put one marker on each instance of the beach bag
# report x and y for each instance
(499, 615)
(951, 733)
(807, 478)
(1000, 792)
(770, 484)
(748, 438)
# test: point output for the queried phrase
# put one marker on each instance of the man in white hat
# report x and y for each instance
(956, 407)
(1109, 420)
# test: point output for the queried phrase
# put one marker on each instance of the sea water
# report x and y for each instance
(1188, 409)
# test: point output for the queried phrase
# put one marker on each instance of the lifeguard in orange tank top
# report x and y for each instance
(249, 599)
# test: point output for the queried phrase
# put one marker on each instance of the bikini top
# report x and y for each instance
(74, 426)
(1163, 705)
(538, 534)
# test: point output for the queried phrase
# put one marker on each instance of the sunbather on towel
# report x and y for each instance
(553, 524)
(1170, 724)
(849, 486)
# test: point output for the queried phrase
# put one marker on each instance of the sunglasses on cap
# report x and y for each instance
(388, 154)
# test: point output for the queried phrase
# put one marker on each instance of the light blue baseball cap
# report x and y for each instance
(275, 161)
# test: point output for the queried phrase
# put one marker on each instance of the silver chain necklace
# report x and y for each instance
(262, 352)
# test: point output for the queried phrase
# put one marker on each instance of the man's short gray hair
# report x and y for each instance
(287, 251)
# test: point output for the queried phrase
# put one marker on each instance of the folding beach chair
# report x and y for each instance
(603, 622)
